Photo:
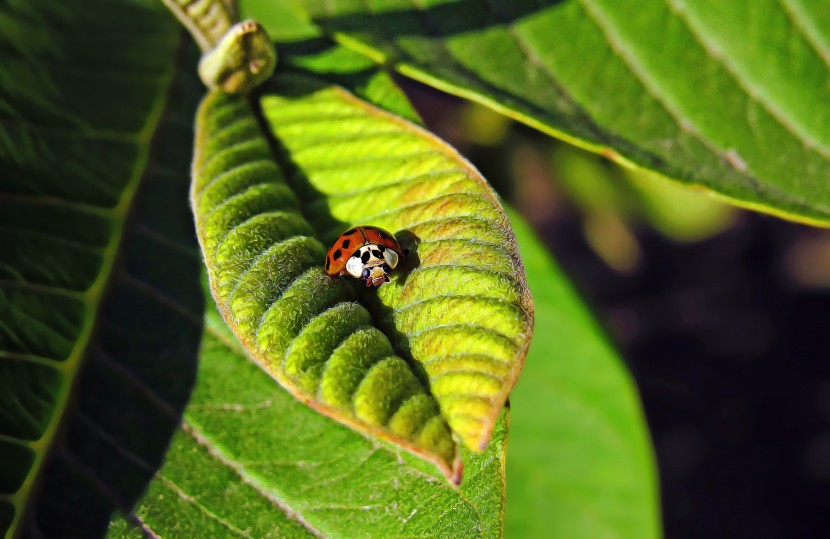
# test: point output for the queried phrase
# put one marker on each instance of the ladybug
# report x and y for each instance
(364, 252)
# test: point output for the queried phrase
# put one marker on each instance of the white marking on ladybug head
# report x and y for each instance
(371, 255)
(391, 258)
(354, 266)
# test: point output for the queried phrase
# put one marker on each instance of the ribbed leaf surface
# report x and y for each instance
(731, 96)
(435, 350)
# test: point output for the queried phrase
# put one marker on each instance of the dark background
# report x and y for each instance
(727, 338)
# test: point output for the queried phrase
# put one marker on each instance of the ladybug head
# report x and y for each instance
(375, 276)
(371, 263)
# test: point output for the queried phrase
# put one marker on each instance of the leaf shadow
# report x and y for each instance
(385, 315)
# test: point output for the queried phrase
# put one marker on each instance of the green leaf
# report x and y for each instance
(286, 22)
(338, 65)
(729, 96)
(78, 143)
(436, 349)
(303, 49)
(580, 462)
(252, 459)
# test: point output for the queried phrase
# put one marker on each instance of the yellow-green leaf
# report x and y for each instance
(426, 359)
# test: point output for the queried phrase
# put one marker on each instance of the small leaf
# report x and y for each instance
(730, 96)
(581, 464)
(436, 349)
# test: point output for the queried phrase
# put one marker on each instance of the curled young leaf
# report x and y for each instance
(429, 355)
(243, 59)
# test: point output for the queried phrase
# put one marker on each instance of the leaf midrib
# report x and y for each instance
(809, 31)
(757, 90)
(620, 47)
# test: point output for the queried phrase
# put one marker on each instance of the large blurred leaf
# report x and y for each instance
(731, 96)
(149, 329)
(449, 331)
(580, 463)
(75, 147)
(252, 460)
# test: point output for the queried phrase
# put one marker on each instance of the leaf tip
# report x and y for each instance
(456, 472)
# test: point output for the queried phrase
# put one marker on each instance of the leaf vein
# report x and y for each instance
(802, 22)
(33, 358)
(752, 89)
(682, 124)
(247, 477)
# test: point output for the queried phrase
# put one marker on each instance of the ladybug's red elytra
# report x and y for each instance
(364, 252)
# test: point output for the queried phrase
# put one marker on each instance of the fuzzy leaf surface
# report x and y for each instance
(732, 97)
(432, 353)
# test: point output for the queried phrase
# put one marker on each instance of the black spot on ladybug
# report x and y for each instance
(382, 248)
(382, 234)
(346, 244)
(349, 232)
(328, 263)
(336, 254)
(376, 253)
(365, 257)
